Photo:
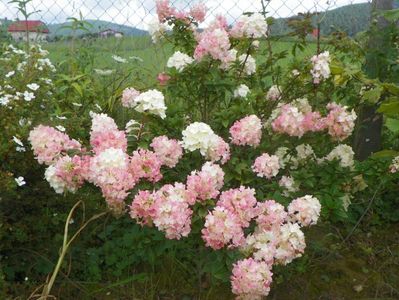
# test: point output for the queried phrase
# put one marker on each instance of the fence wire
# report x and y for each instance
(138, 13)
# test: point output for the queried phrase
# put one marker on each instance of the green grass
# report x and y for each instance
(154, 56)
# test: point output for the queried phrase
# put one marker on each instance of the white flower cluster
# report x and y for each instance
(274, 93)
(321, 67)
(343, 153)
(254, 26)
(179, 61)
(249, 64)
(292, 240)
(199, 136)
(394, 167)
(305, 210)
(289, 185)
(156, 29)
(55, 181)
(152, 101)
(242, 91)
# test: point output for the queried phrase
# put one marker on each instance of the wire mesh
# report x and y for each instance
(125, 14)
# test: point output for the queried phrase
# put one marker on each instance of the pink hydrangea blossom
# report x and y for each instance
(145, 164)
(168, 150)
(104, 134)
(206, 183)
(108, 139)
(266, 166)
(198, 12)
(340, 122)
(68, 173)
(222, 228)
(289, 121)
(219, 151)
(220, 22)
(215, 43)
(109, 170)
(304, 210)
(164, 10)
(261, 245)
(270, 215)
(247, 131)
(49, 144)
(172, 213)
(251, 279)
(142, 208)
(241, 202)
(128, 97)
(163, 78)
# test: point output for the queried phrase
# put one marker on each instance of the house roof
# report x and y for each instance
(31, 26)
(110, 30)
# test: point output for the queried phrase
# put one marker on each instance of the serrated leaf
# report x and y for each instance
(373, 95)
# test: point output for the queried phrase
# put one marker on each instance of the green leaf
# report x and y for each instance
(373, 95)
(78, 88)
(390, 108)
(385, 154)
(392, 124)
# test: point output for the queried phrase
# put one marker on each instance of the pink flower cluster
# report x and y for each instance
(128, 97)
(167, 150)
(293, 121)
(49, 144)
(339, 121)
(145, 164)
(219, 151)
(251, 279)
(241, 202)
(107, 166)
(196, 13)
(266, 166)
(305, 210)
(104, 134)
(215, 43)
(247, 131)
(233, 212)
(222, 227)
(394, 167)
(206, 184)
(168, 209)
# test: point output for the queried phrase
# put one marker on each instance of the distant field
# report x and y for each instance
(154, 56)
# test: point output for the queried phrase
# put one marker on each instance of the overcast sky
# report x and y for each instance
(137, 12)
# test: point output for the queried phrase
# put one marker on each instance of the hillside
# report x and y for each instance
(97, 25)
(350, 18)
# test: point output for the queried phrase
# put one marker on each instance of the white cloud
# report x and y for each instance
(137, 12)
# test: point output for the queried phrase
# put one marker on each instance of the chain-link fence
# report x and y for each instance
(127, 15)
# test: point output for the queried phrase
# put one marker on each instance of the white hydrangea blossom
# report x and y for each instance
(274, 93)
(394, 167)
(179, 61)
(344, 154)
(289, 185)
(302, 104)
(109, 158)
(254, 26)
(250, 64)
(55, 182)
(321, 67)
(152, 101)
(20, 181)
(291, 243)
(305, 210)
(198, 136)
(156, 29)
(242, 91)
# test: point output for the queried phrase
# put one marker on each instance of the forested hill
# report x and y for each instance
(351, 19)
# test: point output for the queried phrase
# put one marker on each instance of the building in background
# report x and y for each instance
(110, 33)
(38, 31)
